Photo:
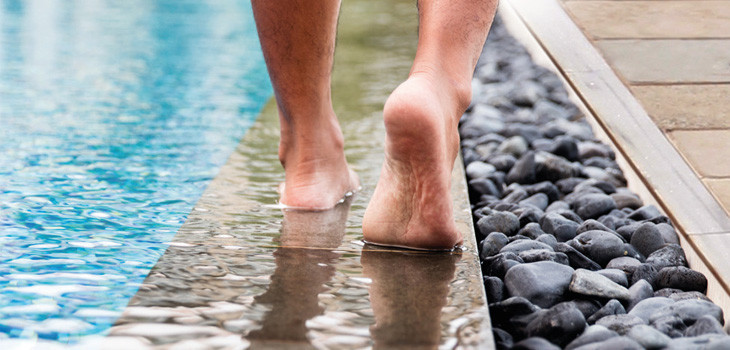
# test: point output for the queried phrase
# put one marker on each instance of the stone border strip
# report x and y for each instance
(662, 172)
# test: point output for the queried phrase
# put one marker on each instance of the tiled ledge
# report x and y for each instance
(658, 171)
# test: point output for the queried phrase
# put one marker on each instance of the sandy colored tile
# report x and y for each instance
(721, 189)
(686, 106)
(707, 151)
(652, 19)
(669, 61)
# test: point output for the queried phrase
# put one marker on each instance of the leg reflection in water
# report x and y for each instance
(407, 294)
(304, 264)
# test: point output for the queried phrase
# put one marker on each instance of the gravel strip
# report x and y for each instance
(571, 258)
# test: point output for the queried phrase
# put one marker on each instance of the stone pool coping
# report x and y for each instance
(658, 171)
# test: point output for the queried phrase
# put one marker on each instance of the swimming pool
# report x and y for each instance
(114, 117)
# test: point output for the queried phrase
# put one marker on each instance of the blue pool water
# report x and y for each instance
(114, 116)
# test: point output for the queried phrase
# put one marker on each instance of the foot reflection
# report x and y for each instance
(304, 264)
(407, 294)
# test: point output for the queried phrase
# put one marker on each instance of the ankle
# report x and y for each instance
(313, 146)
(456, 84)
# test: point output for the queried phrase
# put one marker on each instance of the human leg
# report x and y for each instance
(411, 205)
(298, 41)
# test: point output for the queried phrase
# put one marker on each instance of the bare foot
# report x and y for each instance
(412, 206)
(317, 175)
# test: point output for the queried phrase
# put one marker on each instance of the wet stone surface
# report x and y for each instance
(571, 257)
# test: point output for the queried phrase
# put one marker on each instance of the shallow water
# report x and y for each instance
(114, 117)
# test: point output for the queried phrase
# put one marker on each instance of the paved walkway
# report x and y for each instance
(675, 58)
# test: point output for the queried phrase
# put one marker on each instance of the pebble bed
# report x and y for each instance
(571, 258)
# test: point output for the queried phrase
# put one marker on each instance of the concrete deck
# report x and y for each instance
(675, 58)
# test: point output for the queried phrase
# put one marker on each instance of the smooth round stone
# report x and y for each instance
(671, 325)
(566, 147)
(626, 231)
(645, 272)
(647, 239)
(514, 195)
(502, 311)
(704, 342)
(531, 230)
(704, 325)
(587, 307)
(494, 242)
(681, 295)
(560, 324)
(494, 288)
(625, 200)
(630, 251)
(624, 263)
(535, 255)
(600, 162)
(479, 170)
(548, 239)
(543, 283)
(615, 275)
(530, 215)
(688, 311)
(524, 245)
(576, 258)
(538, 200)
(621, 324)
(646, 212)
(668, 255)
(499, 221)
(523, 172)
(559, 226)
(592, 334)
(595, 149)
(600, 246)
(557, 206)
(591, 206)
(546, 187)
(549, 167)
(485, 187)
(681, 277)
(515, 146)
(502, 162)
(620, 342)
(612, 307)
(648, 337)
(591, 283)
(639, 291)
(567, 186)
(535, 343)
(590, 225)
(499, 264)
(668, 233)
(645, 308)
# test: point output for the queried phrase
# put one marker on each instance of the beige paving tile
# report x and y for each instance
(669, 61)
(721, 189)
(652, 19)
(686, 106)
(707, 151)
